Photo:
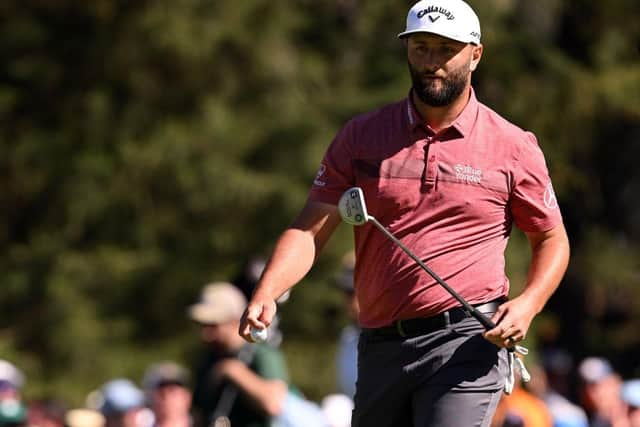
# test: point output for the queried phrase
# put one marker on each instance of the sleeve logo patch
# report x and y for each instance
(550, 200)
(318, 181)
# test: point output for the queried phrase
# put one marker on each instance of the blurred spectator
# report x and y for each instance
(12, 413)
(46, 413)
(241, 384)
(11, 380)
(84, 417)
(559, 367)
(347, 354)
(552, 385)
(169, 396)
(631, 396)
(600, 393)
(564, 412)
(12, 409)
(337, 410)
(123, 404)
(521, 409)
(246, 383)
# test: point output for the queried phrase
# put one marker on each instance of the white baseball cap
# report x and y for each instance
(11, 375)
(631, 392)
(453, 19)
(594, 369)
(220, 302)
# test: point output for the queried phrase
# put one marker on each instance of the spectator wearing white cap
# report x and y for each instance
(168, 393)
(600, 393)
(12, 409)
(11, 380)
(243, 383)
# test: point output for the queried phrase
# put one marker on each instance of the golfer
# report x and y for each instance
(449, 177)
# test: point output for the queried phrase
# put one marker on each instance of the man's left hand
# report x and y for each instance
(512, 320)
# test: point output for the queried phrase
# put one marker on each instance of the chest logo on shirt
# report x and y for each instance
(468, 174)
(550, 200)
(318, 181)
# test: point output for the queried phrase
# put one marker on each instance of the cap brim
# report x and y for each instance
(167, 382)
(206, 315)
(406, 34)
(84, 418)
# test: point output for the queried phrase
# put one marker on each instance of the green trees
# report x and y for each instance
(149, 147)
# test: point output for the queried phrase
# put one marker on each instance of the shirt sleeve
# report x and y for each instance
(269, 364)
(533, 204)
(335, 174)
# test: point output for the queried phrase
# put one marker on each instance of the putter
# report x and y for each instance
(353, 210)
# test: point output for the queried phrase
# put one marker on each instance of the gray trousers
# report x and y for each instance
(450, 377)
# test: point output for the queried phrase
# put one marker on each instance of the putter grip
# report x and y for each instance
(482, 318)
(488, 324)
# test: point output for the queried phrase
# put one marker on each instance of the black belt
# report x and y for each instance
(425, 325)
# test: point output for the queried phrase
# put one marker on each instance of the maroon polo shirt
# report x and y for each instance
(451, 197)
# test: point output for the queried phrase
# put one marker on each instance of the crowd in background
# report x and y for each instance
(242, 385)
(163, 399)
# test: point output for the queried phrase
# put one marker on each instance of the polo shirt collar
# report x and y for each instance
(467, 118)
(463, 123)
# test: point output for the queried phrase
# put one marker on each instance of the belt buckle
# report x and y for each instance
(400, 329)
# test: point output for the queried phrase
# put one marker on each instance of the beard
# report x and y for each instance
(435, 95)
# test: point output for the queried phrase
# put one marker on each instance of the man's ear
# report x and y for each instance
(476, 54)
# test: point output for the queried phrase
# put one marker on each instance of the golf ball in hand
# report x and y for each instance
(259, 335)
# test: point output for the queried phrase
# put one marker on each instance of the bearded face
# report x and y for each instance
(437, 91)
(440, 67)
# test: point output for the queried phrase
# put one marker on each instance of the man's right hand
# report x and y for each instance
(258, 314)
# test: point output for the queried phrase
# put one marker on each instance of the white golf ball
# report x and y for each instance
(259, 335)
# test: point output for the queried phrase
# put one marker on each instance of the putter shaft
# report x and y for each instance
(481, 317)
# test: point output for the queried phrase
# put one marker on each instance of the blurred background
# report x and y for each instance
(149, 147)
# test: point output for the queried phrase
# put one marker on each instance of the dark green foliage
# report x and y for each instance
(149, 147)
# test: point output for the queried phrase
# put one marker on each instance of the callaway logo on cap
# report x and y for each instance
(453, 19)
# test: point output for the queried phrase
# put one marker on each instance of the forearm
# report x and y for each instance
(297, 249)
(291, 260)
(549, 260)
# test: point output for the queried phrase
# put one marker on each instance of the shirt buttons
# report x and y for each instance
(432, 159)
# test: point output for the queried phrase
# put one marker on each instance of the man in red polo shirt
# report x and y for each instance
(449, 177)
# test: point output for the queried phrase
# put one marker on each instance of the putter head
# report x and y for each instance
(352, 207)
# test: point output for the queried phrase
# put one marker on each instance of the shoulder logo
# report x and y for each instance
(550, 200)
(318, 181)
